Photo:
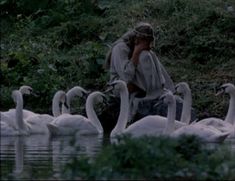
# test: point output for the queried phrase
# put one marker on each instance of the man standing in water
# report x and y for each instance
(132, 60)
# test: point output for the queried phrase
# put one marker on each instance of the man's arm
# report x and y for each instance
(120, 63)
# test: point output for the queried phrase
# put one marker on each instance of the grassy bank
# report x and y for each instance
(58, 44)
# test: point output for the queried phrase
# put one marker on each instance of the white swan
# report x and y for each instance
(184, 89)
(33, 124)
(157, 125)
(149, 125)
(38, 123)
(9, 116)
(227, 124)
(68, 124)
(75, 91)
(7, 130)
(206, 133)
(20, 128)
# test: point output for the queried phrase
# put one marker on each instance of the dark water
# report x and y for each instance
(40, 157)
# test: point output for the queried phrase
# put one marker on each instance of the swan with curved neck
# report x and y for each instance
(158, 125)
(73, 92)
(77, 124)
(149, 125)
(19, 128)
(227, 124)
(206, 133)
(183, 88)
(38, 123)
(35, 124)
(9, 116)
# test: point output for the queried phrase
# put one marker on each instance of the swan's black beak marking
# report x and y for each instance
(176, 86)
(110, 87)
(221, 90)
(34, 93)
(105, 100)
(66, 105)
(160, 100)
(85, 94)
(65, 102)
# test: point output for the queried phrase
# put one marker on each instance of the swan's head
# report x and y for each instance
(118, 85)
(97, 96)
(168, 97)
(78, 91)
(226, 88)
(61, 96)
(26, 89)
(182, 88)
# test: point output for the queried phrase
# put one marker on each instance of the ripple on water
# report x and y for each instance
(41, 157)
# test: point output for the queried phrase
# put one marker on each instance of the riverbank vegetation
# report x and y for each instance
(57, 44)
(156, 158)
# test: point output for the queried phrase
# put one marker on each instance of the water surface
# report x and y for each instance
(40, 157)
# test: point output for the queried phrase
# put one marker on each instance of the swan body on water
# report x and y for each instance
(38, 124)
(7, 130)
(35, 124)
(10, 116)
(20, 128)
(205, 133)
(229, 122)
(147, 126)
(68, 124)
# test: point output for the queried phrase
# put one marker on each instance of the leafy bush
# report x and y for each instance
(58, 44)
(155, 158)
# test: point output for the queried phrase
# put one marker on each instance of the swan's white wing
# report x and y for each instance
(38, 124)
(11, 113)
(7, 130)
(66, 124)
(87, 128)
(216, 123)
(40, 119)
(150, 125)
(10, 121)
(208, 134)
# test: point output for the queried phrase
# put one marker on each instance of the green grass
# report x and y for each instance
(156, 158)
(58, 44)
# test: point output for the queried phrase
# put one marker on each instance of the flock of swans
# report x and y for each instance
(19, 121)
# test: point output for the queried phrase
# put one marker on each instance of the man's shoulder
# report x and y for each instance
(121, 45)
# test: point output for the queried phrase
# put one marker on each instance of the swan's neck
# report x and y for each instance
(92, 115)
(124, 113)
(69, 96)
(230, 117)
(19, 112)
(170, 126)
(56, 107)
(187, 106)
(66, 110)
(19, 161)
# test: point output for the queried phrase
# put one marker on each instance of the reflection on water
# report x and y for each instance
(41, 157)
